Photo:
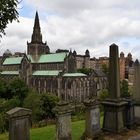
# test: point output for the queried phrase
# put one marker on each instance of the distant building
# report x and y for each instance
(51, 72)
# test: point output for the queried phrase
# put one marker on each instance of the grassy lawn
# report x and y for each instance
(48, 132)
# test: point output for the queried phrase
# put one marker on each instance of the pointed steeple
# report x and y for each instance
(36, 36)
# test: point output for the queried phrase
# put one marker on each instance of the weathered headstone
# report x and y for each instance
(129, 119)
(92, 129)
(63, 121)
(136, 94)
(114, 106)
(19, 123)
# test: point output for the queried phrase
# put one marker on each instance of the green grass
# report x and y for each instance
(48, 132)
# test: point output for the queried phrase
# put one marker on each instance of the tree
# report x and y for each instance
(19, 89)
(6, 105)
(49, 101)
(104, 94)
(33, 102)
(3, 88)
(105, 68)
(124, 89)
(8, 13)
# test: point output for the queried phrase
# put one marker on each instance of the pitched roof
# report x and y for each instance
(46, 73)
(12, 61)
(50, 58)
(74, 75)
(10, 73)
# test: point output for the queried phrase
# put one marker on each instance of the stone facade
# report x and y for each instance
(126, 64)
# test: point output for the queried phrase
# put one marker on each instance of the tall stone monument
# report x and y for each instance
(114, 106)
(19, 123)
(136, 94)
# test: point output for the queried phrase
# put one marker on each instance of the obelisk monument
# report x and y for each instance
(114, 106)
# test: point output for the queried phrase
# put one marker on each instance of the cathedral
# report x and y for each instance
(52, 72)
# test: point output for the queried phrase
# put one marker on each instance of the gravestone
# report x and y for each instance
(129, 119)
(63, 121)
(136, 94)
(114, 106)
(92, 121)
(19, 123)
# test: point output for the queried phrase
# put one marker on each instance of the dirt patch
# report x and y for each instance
(126, 135)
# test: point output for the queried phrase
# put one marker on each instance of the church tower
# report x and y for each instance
(36, 47)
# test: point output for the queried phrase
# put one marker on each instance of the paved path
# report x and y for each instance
(135, 138)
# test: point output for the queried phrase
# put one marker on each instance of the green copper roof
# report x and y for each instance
(46, 73)
(10, 73)
(74, 75)
(49, 58)
(12, 61)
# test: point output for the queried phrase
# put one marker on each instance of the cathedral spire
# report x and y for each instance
(36, 36)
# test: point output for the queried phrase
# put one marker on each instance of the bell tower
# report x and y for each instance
(36, 47)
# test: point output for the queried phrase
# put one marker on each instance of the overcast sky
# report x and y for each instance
(78, 25)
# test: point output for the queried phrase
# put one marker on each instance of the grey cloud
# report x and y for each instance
(80, 24)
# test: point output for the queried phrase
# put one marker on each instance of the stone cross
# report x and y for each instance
(114, 74)
(19, 123)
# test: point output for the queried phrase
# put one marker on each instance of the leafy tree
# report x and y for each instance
(105, 68)
(8, 13)
(49, 101)
(103, 94)
(3, 123)
(19, 89)
(6, 105)
(124, 89)
(3, 88)
(33, 102)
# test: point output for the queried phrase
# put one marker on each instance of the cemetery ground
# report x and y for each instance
(48, 133)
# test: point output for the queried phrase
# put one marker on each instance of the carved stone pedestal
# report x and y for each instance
(63, 121)
(137, 112)
(129, 118)
(113, 115)
(19, 123)
(92, 125)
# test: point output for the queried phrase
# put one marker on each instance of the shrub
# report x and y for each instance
(124, 89)
(19, 89)
(33, 102)
(103, 94)
(48, 102)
